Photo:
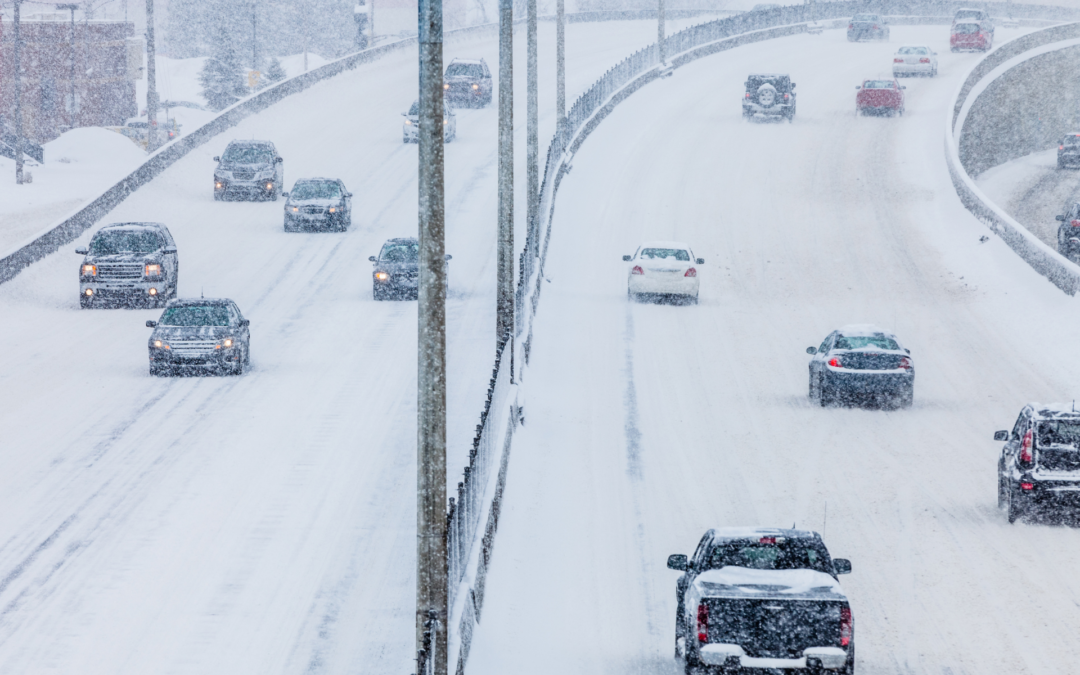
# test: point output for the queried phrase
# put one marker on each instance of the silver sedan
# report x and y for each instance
(914, 60)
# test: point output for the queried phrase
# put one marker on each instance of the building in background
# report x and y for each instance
(107, 63)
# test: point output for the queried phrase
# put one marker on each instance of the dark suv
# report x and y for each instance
(321, 203)
(249, 169)
(1068, 235)
(770, 96)
(1039, 466)
(1069, 151)
(468, 83)
(397, 270)
(128, 264)
(200, 335)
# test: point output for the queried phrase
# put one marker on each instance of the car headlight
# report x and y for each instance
(153, 270)
(446, 86)
(158, 344)
(332, 209)
(382, 276)
(296, 209)
(227, 342)
(445, 121)
(89, 270)
(476, 86)
(408, 122)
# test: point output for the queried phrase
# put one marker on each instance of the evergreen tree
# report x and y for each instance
(275, 72)
(222, 76)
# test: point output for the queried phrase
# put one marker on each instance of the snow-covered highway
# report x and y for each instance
(262, 523)
(649, 424)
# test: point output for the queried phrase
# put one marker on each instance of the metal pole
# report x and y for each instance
(560, 65)
(371, 22)
(72, 7)
(431, 564)
(532, 148)
(151, 80)
(18, 100)
(660, 32)
(254, 36)
(504, 294)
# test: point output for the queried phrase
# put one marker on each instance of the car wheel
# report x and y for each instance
(217, 196)
(907, 397)
(85, 302)
(824, 396)
(377, 293)
(1002, 495)
(1015, 510)
(1061, 164)
(157, 371)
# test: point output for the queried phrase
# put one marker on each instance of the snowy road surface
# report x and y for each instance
(649, 424)
(264, 523)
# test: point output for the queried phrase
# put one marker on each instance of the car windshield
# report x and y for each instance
(248, 154)
(1059, 432)
(196, 315)
(665, 254)
(125, 241)
(770, 553)
(878, 84)
(464, 70)
(913, 50)
(966, 28)
(863, 341)
(401, 252)
(315, 190)
(865, 17)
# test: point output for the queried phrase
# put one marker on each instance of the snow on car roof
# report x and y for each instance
(476, 61)
(1055, 409)
(197, 302)
(665, 244)
(864, 330)
(753, 532)
(133, 226)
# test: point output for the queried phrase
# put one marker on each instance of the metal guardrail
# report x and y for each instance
(1062, 272)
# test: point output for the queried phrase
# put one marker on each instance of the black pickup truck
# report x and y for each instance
(765, 599)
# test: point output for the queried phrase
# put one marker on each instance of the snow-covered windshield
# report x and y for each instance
(1059, 432)
(124, 241)
(862, 341)
(878, 84)
(665, 254)
(316, 190)
(464, 70)
(913, 50)
(401, 252)
(770, 553)
(247, 154)
(198, 315)
(966, 28)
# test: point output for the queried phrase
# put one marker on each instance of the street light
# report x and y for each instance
(72, 6)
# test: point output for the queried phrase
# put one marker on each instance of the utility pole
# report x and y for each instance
(660, 32)
(532, 135)
(72, 7)
(432, 579)
(560, 66)
(151, 80)
(254, 35)
(371, 22)
(18, 100)
(504, 293)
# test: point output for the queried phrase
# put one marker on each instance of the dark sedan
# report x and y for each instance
(1068, 154)
(1069, 232)
(867, 27)
(397, 270)
(200, 335)
(861, 363)
(318, 203)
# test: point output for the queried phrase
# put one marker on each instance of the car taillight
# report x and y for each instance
(747, 94)
(835, 362)
(1061, 147)
(924, 60)
(637, 270)
(691, 272)
(898, 60)
(787, 96)
(846, 626)
(1027, 486)
(850, 26)
(1075, 223)
(1025, 448)
(905, 363)
(703, 623)
(875, 27)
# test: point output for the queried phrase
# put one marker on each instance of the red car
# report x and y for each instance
(971, 35)
(879, 96)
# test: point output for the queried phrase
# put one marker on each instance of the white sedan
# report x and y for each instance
(663, 268)
(914, 60)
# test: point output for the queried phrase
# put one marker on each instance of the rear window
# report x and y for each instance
(665, 254)
(125, 241)
(913, 50)
(878, 84)
(965, 28)
(199, 315)
(770, 553)
(401, 252)
(1059, 432)
(464, 70)
(864, 341)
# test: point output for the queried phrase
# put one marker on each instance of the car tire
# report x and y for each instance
(157, 371)
(906, 397)
(1013, 509)
(849, 665)
(85, 302)
(825, 396)
(1060, 164)
(377, 293)
(217, 196)
(1002, 494)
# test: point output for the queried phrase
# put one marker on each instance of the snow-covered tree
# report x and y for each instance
(275, 72)
(222, 76)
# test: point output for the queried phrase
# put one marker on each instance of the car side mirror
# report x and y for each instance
(285, 195)
(811, 350)
(278, 160)
(245, 322)
(677, 562)
(859, 87)
(626, 258)
(217, 159)
(700, 261)
(792, 85)
(372, 258)
(903, 86)
(151, 324)
(448, 257)
(348, 194)
(82, 251)
(1061, 218)
(1001, 435)
(169, 250)
(841, 565)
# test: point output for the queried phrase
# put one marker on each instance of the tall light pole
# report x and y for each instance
(504, 293)
(72, 7)
(660, 32)
(254, 35)
(560, 65)
(431, 566)
(151, 80)
(532, 147)
(18, 99)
